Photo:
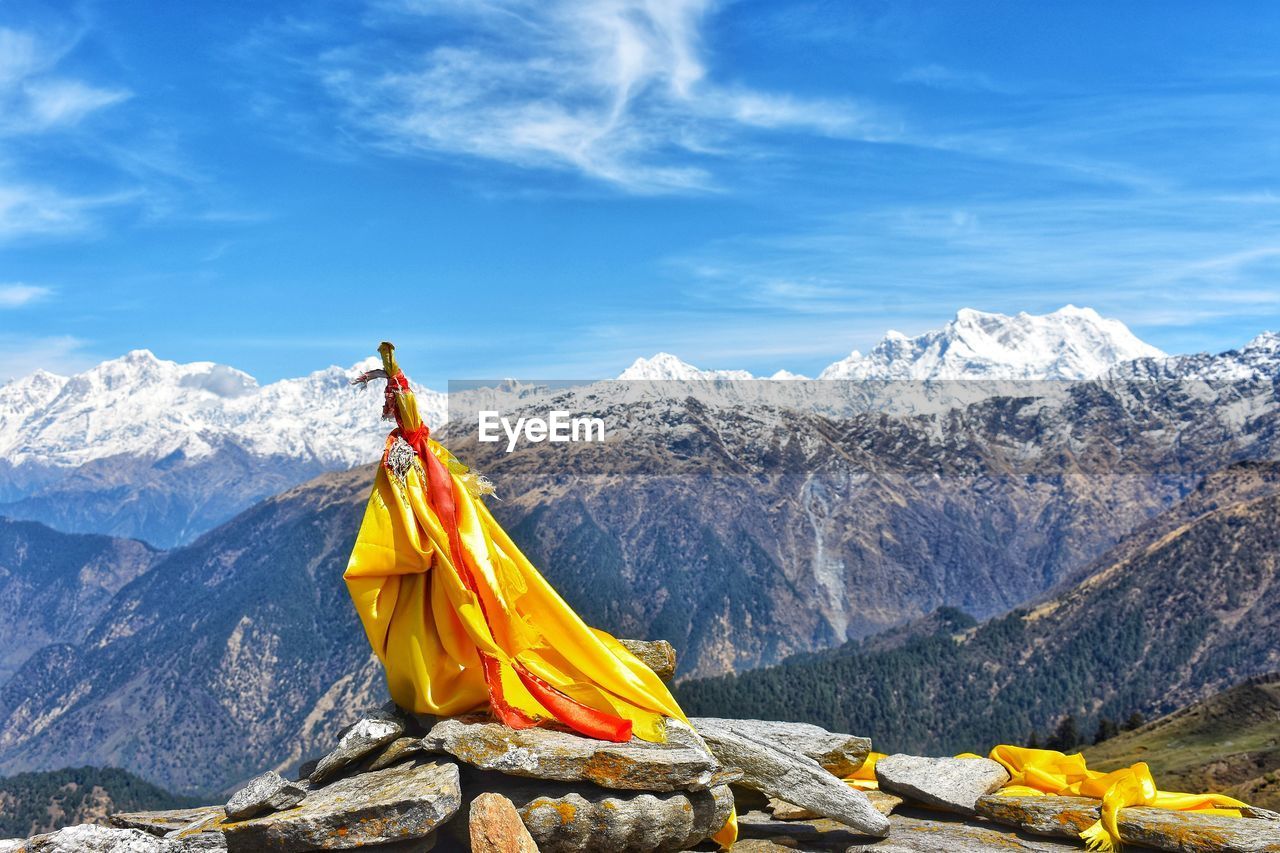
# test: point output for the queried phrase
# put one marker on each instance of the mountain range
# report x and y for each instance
(145, 448)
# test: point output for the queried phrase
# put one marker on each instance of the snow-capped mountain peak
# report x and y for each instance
(1070, 343)
(664, 367)
(146, 407)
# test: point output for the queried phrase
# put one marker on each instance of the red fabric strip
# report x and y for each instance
(574, 714)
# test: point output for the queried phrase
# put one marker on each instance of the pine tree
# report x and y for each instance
(1066, 736)
(1136, 721)
(1033, 742)
(1107, 729)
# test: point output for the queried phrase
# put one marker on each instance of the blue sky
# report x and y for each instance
(543, 188)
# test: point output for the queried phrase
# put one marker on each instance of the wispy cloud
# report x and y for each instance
(620, 91)
(33, 211)
(33, 97)
(17, 294)
(37, 100)
(1169, 262)
(21, 355)
(956, 79)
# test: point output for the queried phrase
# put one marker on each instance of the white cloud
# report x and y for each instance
(21, 355)
(17, 294)
(618, 90)
(54, 103)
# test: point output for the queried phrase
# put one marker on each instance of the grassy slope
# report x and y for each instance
(1228, 742)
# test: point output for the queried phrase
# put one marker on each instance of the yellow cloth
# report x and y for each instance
(1041, 772)
(864, 778)
(1037, 772)
(428, 629)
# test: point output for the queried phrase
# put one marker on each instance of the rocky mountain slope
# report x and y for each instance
(55, 586)
(1185, 608)
(238, 647)
(1228, 742)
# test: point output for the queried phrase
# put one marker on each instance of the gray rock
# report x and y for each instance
(11, 845)
(1159, 829)
(951, 784)
(915, 833)
(912, 832)
(269, 792)
(881, 801)
(790, 776)
(396, 805)
(658, 655)
(1063, 817)
(543, 753)
(398, 750)
(92, 838)
(372, 732)
(162, 822)
(840, 754)
(579, 817)
(201, 842)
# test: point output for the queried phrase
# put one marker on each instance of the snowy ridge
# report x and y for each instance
(145, 407)
(1070, 343)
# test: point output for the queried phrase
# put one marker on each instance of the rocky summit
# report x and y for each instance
(395, 782)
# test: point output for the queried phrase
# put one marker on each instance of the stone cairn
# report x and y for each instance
(400, 783)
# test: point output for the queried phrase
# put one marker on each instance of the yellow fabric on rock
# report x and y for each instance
(864, 778)
(1043, 772)
(1035, 772)
(428, 629)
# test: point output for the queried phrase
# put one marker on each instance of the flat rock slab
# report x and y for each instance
(398, 804)
(840, 754)
(396, 751)
(916, 833)
(911, 832)
(269, 792)
(163, 822)
(496, 827)
(881, 801)
(658, 655)
(951, 784)
(1158, 829)
(561, 756)
(790, 776)
(372, 732)
(92, 838)
(204, 842)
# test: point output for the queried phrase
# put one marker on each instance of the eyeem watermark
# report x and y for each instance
(557, 427)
